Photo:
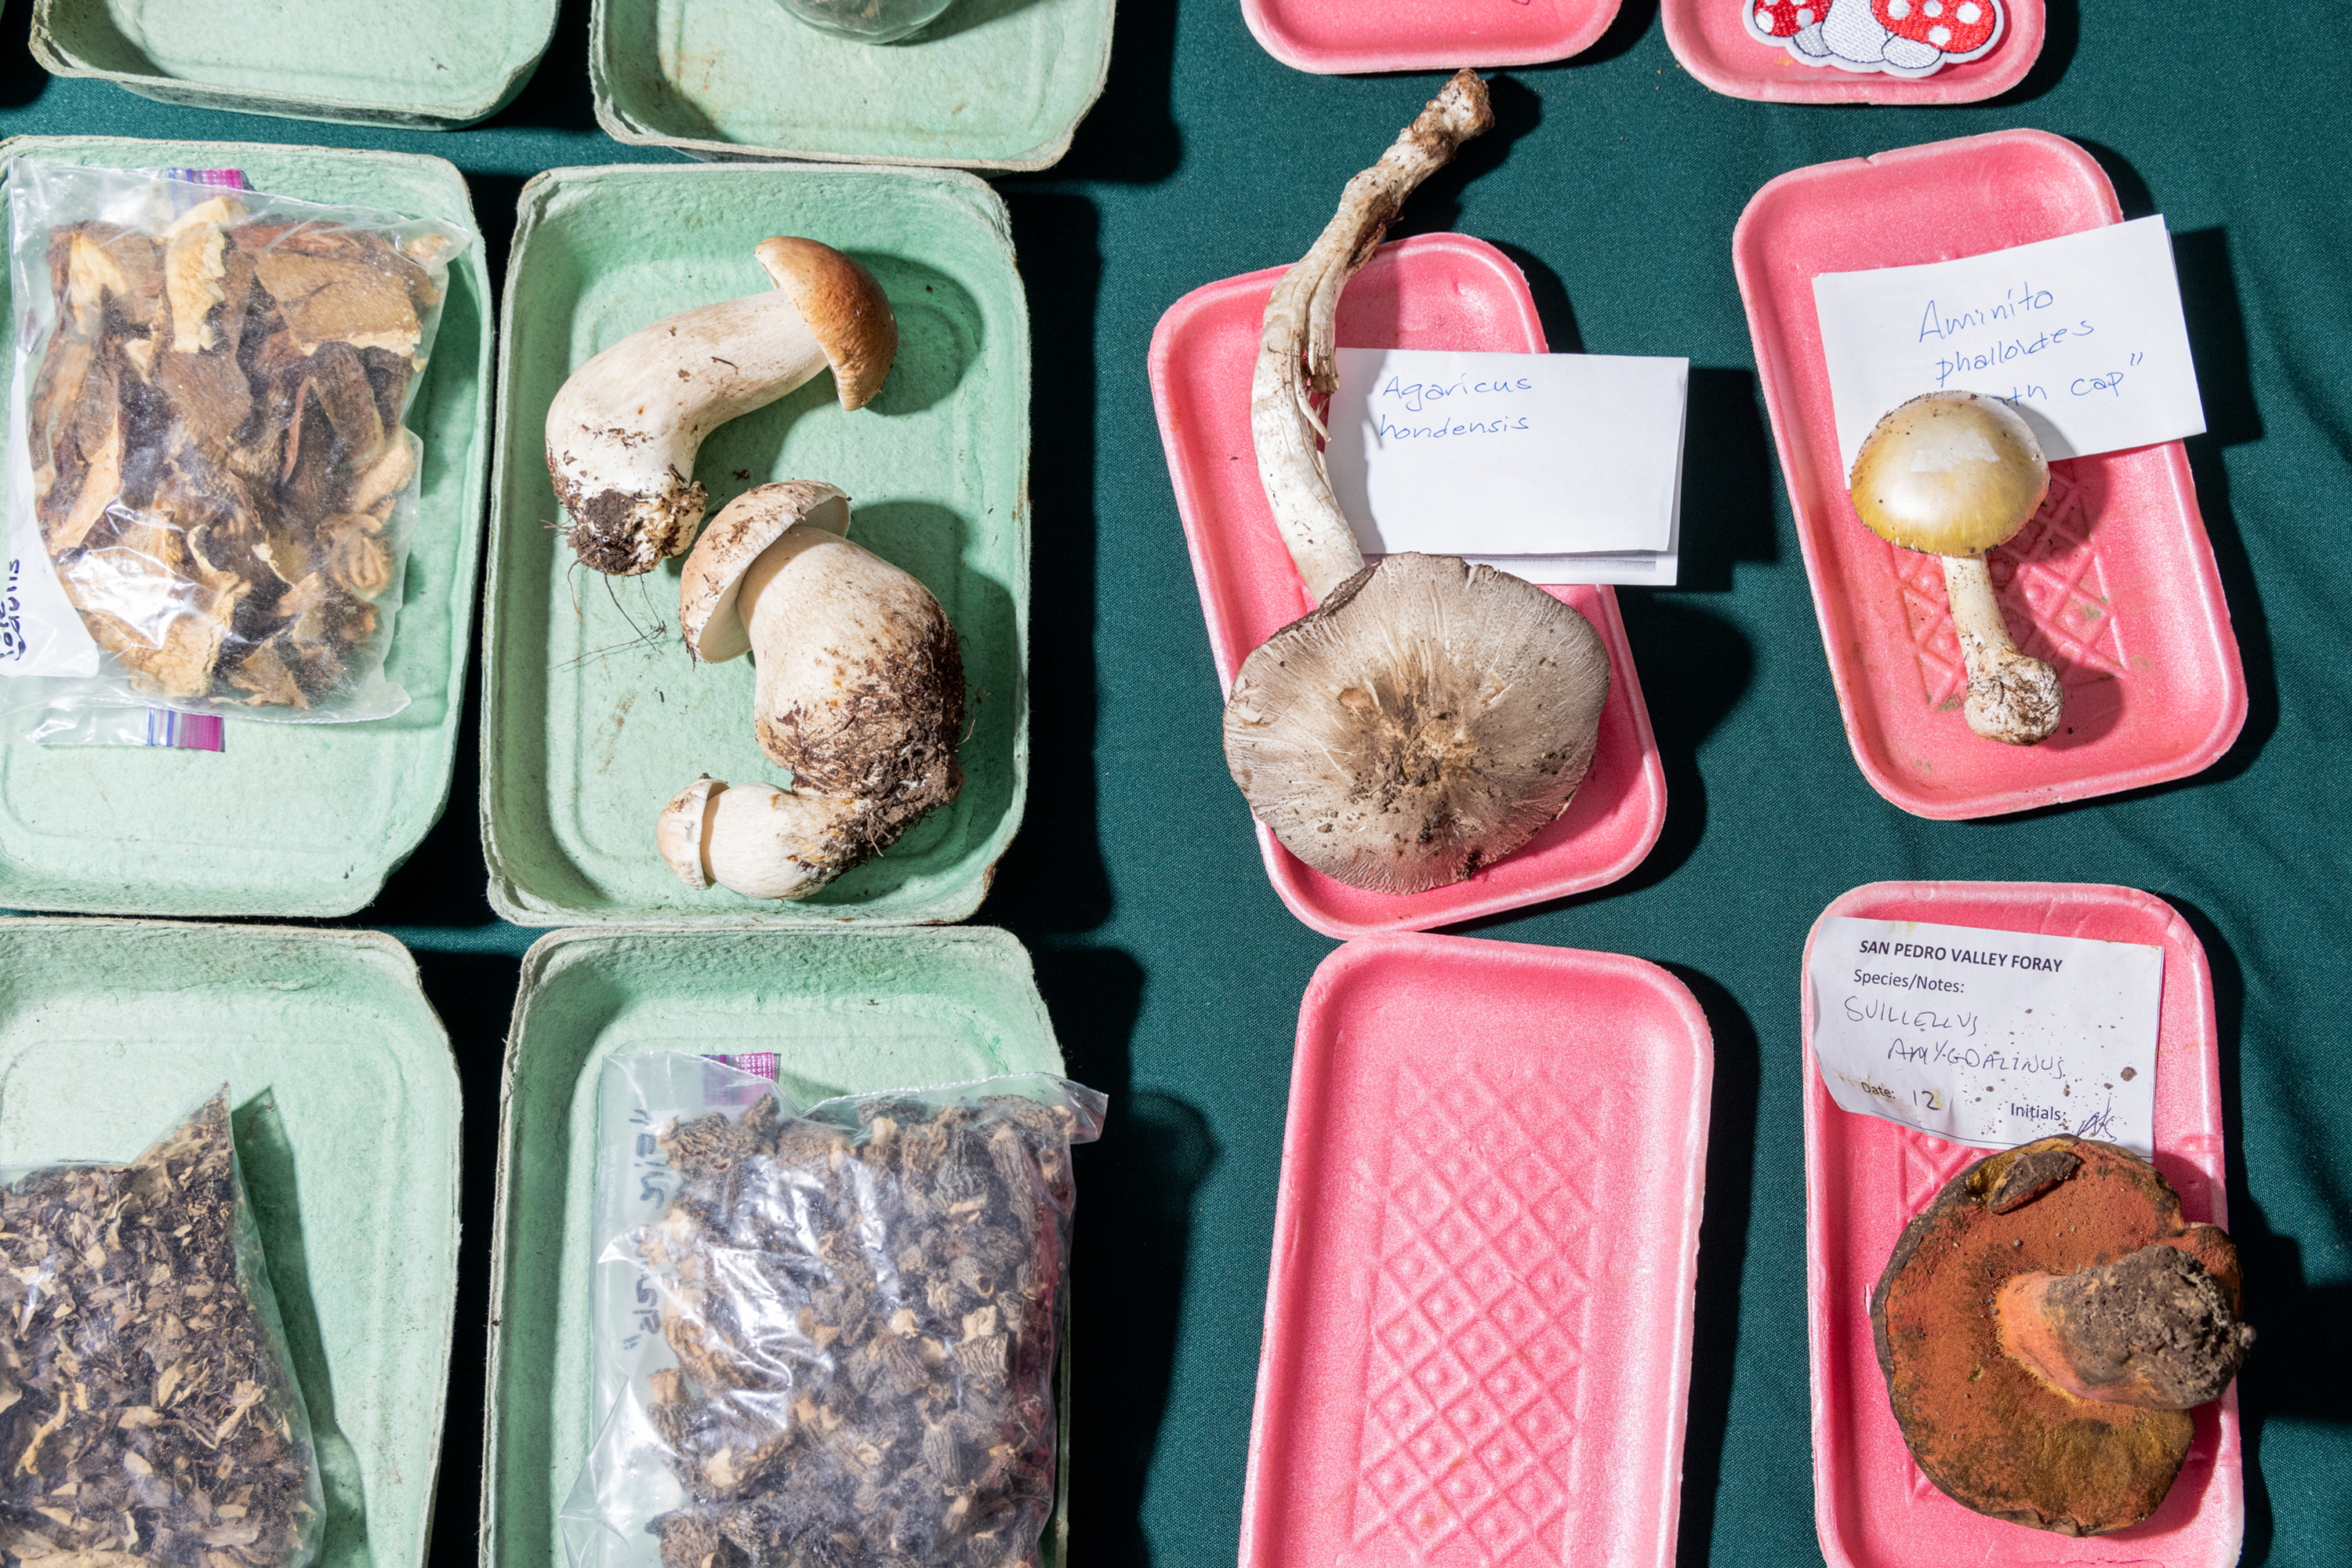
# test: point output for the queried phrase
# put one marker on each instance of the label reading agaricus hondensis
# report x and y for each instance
(1987, 1038)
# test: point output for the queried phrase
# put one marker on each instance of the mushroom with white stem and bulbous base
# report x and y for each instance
(859, 693)
(1430, 716)
(1956, 474)
(624, 428)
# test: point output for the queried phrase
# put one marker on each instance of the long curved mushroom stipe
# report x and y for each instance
(1295, 363)
(1429, 717)
(624, 428)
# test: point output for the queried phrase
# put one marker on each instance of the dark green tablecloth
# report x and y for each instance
(1172, 972)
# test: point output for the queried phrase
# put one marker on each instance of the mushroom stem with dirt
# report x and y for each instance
(1956, 475)
(2153, 1329)
(860, 693)
(2045, 1325)
(1296, 365)
(1430, 716)
(624, 428)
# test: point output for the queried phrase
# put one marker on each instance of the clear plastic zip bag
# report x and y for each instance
(824, 1340)
(149, 1413)
(211, 482)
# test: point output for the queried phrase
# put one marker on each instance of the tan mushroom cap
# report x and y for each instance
(845, 308)
(737, 536)
(1951, 473)
(1429, 718)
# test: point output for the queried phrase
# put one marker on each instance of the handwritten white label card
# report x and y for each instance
(1491, 455)
(2082, 334)
(1989, 1037)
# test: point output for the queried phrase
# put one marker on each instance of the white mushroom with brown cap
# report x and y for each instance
(624, 428)
(859, 693)
(1956, 474)
(1430, 716)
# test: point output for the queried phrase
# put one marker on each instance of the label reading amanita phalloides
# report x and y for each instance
(1987, 1038)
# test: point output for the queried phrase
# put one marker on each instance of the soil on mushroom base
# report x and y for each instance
(1430, 718)
(889, 738)
(1990, 1434)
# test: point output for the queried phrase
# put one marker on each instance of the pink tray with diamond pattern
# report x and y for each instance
(1432, 291)
(1478, 1321)
(1336, 35)
(2113, 583)
(1865, 1179)
(1712, 41)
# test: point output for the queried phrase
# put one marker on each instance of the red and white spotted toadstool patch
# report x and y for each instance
(1962, 28)
(1783, 18)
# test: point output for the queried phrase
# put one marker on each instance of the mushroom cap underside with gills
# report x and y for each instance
(1989, 1433)
(1427, 719)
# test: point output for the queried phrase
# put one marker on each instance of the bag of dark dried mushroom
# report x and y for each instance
(829, 1339)
(211, 485)
(148, 1412)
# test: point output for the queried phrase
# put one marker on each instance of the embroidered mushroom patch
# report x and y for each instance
(1899, 37)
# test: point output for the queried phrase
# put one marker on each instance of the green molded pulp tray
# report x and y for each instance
(993, 84)
(428, 63)
(343, 1099)
(846, 1011)
(289, 819)
(593, 712)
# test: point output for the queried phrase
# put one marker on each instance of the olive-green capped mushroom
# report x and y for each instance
(1955, 474)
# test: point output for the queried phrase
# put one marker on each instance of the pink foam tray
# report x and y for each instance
(1432, 291)
(2113, 583)
(1711, 39)
(1478, 1321)
(1865, 1178)
(1333, 37)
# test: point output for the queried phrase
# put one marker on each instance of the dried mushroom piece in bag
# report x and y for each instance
(861, 1309)
(148, 1411)
(212, 421)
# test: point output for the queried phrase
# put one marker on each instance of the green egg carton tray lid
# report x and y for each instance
(431, 64)
(845, 1010)
(344, 1103)
(594, 714)
(288, 820)
(992, 84)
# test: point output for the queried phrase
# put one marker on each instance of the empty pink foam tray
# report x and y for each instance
(1711, 39)
(1478, 1322)
(1331, 37)
(1432, 291)
(2112, 582)
(1864, 1178)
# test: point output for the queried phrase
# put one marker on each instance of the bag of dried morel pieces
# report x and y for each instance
(825, 1340)
(211, 486)
(149, 1413)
